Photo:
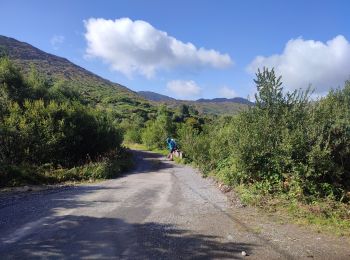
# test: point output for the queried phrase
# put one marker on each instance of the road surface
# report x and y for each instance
(159, 211)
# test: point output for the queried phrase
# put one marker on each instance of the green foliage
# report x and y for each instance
(270, 91)
(61, 90)
(60, 133)
(284, 144)
(109, 166)
(11, 81)
(38, 83)
(156, 131)
(3, 51)
(194, 144)
(47, 123)
(330, 153)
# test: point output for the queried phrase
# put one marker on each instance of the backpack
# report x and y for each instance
(173, 144)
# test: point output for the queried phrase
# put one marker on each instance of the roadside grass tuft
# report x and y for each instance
(323, 215)
(107, 167)
(179, 160)
(143, 147)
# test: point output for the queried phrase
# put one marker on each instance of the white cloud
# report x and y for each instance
(227, 92)
(137, 47)
(184, 89)
(304, 62)
(56, 41)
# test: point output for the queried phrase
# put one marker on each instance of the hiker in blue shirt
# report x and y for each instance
(171, 147)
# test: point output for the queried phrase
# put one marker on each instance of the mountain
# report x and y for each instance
(216, 106)
(95, 89)
(152, 96)
(238, 100)
(104, 93)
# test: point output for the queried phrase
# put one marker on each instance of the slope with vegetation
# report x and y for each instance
(152, 96)
(92, 88)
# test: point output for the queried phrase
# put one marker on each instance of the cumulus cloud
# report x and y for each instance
(184, 89)
(56, 41)
(137, 47)
(227, 92)
(304, 62)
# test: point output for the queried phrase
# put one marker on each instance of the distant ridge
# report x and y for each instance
(153, 96)
(217, 106)
(221, 100)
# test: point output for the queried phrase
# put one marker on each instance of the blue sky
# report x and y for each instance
(144, 44)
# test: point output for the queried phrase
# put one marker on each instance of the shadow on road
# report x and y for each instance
(90, 237)
(149, 162)
(46, 197)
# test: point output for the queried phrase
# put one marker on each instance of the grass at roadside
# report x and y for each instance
(107, 167)
(143, 147)
(322, 215)
(160, 151)
(179, 160)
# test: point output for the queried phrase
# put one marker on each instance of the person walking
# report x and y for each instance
(171, 147)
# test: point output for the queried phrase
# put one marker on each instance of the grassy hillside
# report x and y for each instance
(152, 96)
(94, 89)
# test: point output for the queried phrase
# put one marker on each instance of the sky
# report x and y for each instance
(191, 49)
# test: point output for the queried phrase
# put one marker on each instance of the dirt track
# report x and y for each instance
(160, 211)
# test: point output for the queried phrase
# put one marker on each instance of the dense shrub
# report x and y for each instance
(109, 166)
(330, 132)
(12, 82)
(59, 133)
(132, 128)
(45, 123)
(157, 130)
(284, 144)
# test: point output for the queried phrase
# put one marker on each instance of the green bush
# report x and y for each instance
(156, 131)
(60, 133)
(284, 144)
(45, 123)
(109, 166)
(132, 129)
(12, 82)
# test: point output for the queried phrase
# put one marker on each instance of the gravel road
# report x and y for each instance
(159, 211)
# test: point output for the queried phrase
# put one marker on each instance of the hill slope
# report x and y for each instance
(95, 89)
(152, 96)
(101, 92)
